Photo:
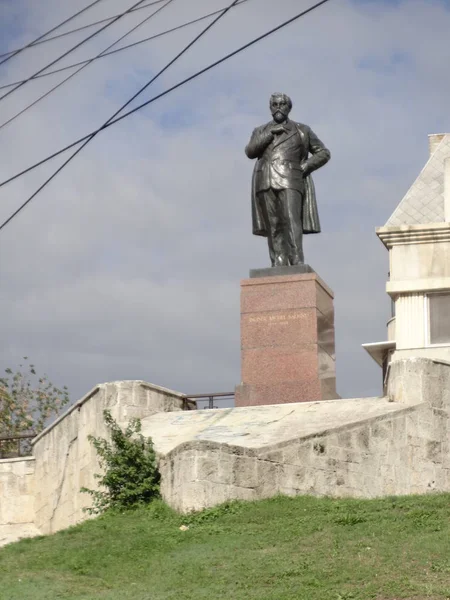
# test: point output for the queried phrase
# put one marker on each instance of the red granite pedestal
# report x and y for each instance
(287, 340)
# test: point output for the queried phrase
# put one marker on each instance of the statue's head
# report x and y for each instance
(280, 107)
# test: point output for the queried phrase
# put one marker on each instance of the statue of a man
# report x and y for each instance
(283, 197)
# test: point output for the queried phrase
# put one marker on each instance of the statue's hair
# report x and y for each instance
(283, 96)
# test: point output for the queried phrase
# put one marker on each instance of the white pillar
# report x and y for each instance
(410, 321)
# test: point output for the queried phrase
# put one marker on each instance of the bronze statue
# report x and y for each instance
(283, 197)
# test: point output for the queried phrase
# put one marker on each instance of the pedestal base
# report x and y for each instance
(287, 339)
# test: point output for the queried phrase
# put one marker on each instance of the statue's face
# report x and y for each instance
(279, 107)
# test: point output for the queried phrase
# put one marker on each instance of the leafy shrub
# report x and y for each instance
(131, 475)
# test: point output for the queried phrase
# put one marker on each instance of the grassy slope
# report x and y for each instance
(285, 548)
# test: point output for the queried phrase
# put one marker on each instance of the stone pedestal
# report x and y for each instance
(287, 338)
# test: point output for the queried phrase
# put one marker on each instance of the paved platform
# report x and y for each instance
(261, 426)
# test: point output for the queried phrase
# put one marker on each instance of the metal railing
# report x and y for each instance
(15, 446)
(211, 398)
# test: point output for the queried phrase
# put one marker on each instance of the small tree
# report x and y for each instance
(131, 475)
(28, 402)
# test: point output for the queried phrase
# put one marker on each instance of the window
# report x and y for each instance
(439, 318)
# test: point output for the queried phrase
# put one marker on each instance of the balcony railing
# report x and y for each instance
(391, 329)
(212, 398)
(15, 446)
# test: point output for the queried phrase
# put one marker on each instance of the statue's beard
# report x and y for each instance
(279, 117)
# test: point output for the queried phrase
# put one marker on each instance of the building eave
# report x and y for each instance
(377, 350)
(414, 234)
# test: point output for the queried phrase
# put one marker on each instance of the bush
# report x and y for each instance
(131, 475)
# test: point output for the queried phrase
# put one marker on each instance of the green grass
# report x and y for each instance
(284, 548)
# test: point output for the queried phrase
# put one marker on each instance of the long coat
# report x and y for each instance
(278, 166)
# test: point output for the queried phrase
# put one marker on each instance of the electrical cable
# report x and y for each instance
(71, 49)
(104, 53)
(167, 91)
(38, 39)
(91, 137)
(86, 63)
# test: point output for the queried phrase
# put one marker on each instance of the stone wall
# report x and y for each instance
(366, 447)
(17, 490)
(441, 353)
(370, 447)
(364, 461)
(67, 461)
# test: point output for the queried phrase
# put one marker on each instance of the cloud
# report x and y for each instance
(128, 264)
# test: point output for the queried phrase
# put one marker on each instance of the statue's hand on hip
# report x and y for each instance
(304, 168)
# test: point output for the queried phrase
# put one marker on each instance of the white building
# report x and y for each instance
(417, 236)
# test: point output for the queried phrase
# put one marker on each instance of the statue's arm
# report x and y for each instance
(320, 155)
(258, 142)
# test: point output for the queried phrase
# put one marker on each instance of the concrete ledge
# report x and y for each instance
(279, 271)
(417, 285)
(414, 234)
(17, 459)
(268, 280)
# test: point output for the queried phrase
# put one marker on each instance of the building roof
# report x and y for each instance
(424, 201)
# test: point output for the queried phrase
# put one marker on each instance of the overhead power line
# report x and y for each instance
(157, 97)
(40, 38)
(92, 136)
(85, 64)
(104, 53)
(38, 41)
(71, 49)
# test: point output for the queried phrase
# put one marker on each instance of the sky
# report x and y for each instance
(128, 264)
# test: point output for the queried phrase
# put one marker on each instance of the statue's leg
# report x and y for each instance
(269, 203)
(291, 202)
(277, 217)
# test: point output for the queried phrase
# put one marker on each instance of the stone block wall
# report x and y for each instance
(401, 452)
(364, 448)
(17, 488)
(65, 459)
